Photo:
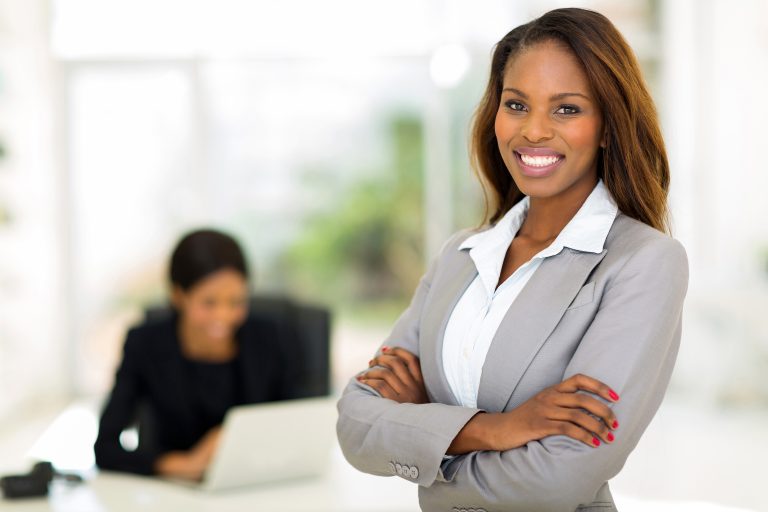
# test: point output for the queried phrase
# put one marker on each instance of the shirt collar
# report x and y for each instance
(586, 231)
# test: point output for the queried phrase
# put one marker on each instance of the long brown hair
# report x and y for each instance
(633, 165)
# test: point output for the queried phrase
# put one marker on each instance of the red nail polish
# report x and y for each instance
(610, 437)
(613, 395)
(595, 441)
(384, 349)
(615, 424)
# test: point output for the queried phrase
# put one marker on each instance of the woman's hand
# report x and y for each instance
(396, 374)
(557, 410)
(190, 465)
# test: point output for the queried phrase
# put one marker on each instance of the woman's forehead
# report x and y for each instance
(546, 68)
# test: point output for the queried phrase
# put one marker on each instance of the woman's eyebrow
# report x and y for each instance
(556, 97)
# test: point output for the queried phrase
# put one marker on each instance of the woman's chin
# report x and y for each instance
(218, 335)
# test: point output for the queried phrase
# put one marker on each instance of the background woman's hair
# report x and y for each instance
(633, 165)
(201, 253)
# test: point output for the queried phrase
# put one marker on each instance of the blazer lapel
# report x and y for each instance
(433, 324)
(529, 322)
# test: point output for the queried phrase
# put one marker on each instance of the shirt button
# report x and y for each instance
(467, 352)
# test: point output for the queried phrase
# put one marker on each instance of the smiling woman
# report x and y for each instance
(537, 349)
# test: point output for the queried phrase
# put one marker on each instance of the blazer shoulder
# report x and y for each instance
(634, 246)
(455, 240)
(630, 236)
(449, 258)
(151, 337)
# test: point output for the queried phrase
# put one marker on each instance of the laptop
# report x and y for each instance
(272, 442)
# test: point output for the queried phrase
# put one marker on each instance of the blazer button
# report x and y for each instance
(414, 472)
(392, 469)
(399, 468)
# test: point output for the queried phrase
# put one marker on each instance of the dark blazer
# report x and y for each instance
(151, 383)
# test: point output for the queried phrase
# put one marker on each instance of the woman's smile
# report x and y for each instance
(538, 162)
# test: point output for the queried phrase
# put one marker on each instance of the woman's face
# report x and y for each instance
(548, 126)
(215, 307)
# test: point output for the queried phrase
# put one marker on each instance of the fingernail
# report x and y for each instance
(384, 349)
(615, 424)
(613, 395)
(610, 437)
(595, 441)
(370, 362)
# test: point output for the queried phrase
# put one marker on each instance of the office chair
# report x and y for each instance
(305, 333)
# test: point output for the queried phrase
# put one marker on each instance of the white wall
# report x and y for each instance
(34, 354)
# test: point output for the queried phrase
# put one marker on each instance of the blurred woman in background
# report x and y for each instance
(180, 374)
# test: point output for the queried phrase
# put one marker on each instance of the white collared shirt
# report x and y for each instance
(480, 310)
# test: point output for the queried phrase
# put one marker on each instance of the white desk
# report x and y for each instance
(342, 489)
(688, 481)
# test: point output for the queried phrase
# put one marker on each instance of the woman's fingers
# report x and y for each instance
(580, 382)
(573, 431)
(381, 386)
(386, 375)
(395, 364)
(400, 370)
(410, 359)
(590, 404)
(589, 425)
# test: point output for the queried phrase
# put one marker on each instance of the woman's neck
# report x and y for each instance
(197, 346)
(547, 216)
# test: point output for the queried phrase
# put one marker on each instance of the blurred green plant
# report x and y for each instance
(367, 252)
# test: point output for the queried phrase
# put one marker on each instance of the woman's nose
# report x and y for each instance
(537, 128)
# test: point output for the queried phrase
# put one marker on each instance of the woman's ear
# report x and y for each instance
(178, 297)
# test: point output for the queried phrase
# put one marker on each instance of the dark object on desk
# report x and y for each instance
(23, 486)
(35, 483)
(304, 331)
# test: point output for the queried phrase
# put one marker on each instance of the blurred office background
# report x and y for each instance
(331, 139)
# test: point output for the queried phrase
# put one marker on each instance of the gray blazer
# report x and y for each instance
(615, 316)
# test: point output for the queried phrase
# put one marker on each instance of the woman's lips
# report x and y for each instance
(538, 162)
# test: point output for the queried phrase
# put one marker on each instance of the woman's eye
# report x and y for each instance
(567, 110)
(516, 106)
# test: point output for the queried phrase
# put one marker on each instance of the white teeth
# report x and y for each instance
(539, 161)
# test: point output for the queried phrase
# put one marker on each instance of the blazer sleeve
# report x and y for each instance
(631, 345)
(377, 434)
(120, 412)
